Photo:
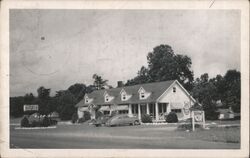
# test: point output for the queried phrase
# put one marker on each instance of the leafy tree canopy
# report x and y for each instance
(164, 64)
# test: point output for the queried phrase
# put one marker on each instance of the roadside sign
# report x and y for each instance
(30, 107)
(198, 117)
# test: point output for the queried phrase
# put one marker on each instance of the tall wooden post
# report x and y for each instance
(156, 112)
(203, 118)
(139, 112)
(130, 109)
(147, 108)
(193, 123)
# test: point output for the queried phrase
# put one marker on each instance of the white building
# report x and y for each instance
(156, 99)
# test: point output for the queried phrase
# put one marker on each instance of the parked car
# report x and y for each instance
(123, 119)
(101, 121)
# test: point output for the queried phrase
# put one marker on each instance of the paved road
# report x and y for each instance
(89, 137)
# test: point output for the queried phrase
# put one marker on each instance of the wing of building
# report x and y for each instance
(156, 99)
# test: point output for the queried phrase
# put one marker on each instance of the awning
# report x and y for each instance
(122, 107)
(83, 108)
(104, 108)
(176, 105)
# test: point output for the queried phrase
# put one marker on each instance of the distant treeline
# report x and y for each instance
(163, 64)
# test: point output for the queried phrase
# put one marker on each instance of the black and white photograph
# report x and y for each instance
(126, 79)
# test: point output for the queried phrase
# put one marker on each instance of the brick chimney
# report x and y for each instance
(119, 84)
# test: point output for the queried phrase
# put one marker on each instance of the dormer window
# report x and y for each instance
(124, 95)
(106, 98)
(143, 94)
(88, 100)
(174, 89)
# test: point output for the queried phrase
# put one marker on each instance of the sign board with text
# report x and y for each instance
(30, 107)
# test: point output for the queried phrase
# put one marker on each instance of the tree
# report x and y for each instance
(204, 92)
(227, 89)
(66, 102)
(99, 83)
(232, 97)
(29, 98)
(16, 106)
(43, 100)
(164, 64)
(142, 77)
(78, 90)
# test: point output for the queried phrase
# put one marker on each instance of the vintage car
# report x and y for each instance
(122, 119)
(101, 121)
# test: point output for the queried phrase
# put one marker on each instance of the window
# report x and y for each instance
(176, 110)
(123, 111)
(106, 98)
(142, 95)
(86, 99)
(106, 112)
(123, 96)
(174, 89)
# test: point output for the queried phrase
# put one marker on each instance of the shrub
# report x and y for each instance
(74, 118)
(35, 124)
(113, 113)
(98, 114)
(145, 118)
(172, 117)
(81, 120)
(25, 122)
(87, 115)
(188, 126)
(53, 122)
(45, 122)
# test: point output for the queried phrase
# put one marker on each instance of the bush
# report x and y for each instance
(45, 122)
(53, 122)
(35, 124)
(81, 120)
(113, 113)
(25, 122)
(172, 117)
(74, 118)
(145, 118)
(188, 126)
(98, 114)
(87, 115)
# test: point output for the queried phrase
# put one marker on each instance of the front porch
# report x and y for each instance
(157, 111)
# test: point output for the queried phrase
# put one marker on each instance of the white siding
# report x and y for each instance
(178, 97)
(80, 113)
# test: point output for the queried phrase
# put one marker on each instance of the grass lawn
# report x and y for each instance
(215, 134)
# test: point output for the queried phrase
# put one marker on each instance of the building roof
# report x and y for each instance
(155, 88)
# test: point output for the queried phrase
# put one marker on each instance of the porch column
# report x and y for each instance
(139, 111)
(168, 108)
(156, 112)
(147, 108)
(130, 109)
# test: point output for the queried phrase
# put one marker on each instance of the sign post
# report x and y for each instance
(198, 117)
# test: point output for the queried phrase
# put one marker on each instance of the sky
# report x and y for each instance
(58, 48)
